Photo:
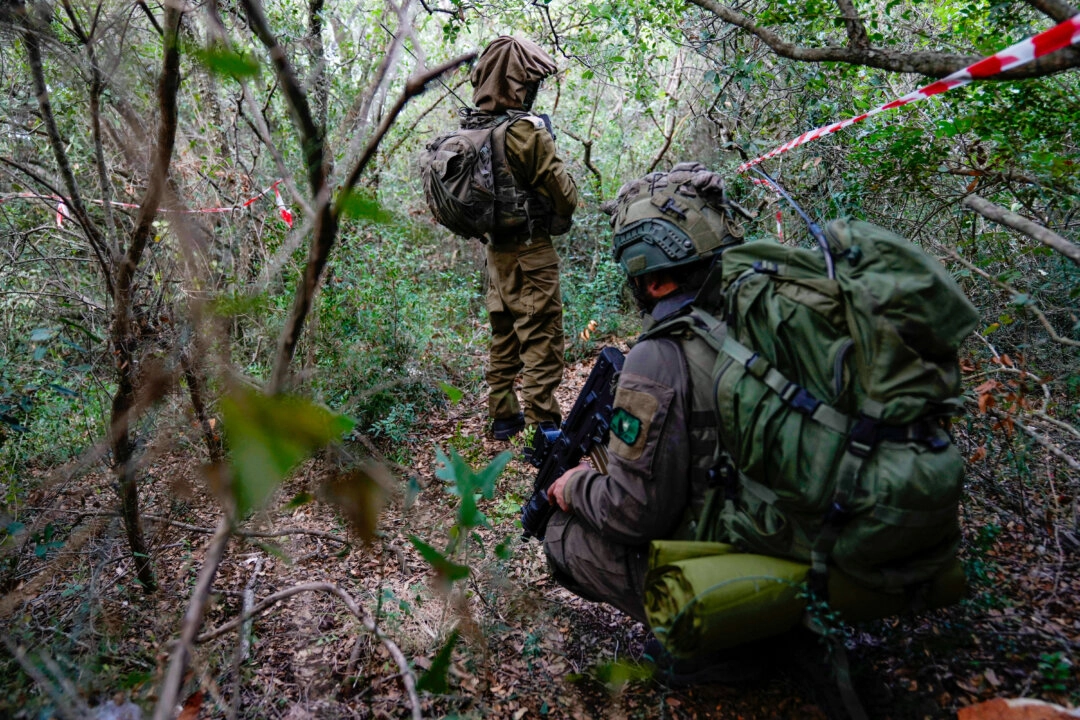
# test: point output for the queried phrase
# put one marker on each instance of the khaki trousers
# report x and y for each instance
(524, 306)
(594, 567)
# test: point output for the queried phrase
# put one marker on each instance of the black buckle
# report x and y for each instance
(863, 436)
(723, 475)
(669, 206)
(803, 401)
(837, 515)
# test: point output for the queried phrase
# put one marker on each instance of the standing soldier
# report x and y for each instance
(524, 302)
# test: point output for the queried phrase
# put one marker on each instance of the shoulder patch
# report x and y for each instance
(625, 426)
(635, 412)
(537, 122)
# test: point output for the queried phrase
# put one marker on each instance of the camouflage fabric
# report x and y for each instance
(667, 219)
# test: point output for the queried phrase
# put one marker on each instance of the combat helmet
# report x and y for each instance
(667, 219)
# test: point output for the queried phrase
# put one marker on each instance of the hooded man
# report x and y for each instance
(524, 301)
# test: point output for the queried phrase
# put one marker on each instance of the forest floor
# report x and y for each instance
(527, 649)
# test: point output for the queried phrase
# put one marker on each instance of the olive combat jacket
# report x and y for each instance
(662, 443)
(531, 155)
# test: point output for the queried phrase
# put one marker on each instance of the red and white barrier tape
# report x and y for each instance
(62, 212)
(1058, 37)
(779, 214)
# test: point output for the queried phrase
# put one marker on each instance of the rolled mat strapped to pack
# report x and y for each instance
(702, 596)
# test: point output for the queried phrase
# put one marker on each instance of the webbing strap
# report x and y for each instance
(847, 478)
(841, 667)
(762, 492)
(790, 392)
(913, 518)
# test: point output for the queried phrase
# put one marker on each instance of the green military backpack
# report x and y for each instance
(470, 189)
(834, 388)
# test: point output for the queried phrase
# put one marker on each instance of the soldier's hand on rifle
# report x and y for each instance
(555, 492)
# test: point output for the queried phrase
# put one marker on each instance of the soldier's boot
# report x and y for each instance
(507, 427)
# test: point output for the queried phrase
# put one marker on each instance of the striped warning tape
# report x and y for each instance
(779, 214)
(62, 212)
(1058, 37)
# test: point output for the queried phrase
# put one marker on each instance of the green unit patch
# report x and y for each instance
(625, 426)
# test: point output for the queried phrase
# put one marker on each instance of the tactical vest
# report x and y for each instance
(698, 361)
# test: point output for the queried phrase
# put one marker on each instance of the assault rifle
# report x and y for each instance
(585, 431)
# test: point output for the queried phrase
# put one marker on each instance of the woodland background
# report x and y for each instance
(347, 546)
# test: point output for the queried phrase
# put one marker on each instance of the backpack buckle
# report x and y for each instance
(800, 399)
(837, 515)
(863, 437)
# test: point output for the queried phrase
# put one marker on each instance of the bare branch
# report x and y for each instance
(1048, 444)
(200, 596)
(325, 230)
(415, 85)
(587, 157)
(1057, 10)
(122, 341)
(1021, 224)
(926, 63)
(856, 31)
(69, 705)
(63, 163)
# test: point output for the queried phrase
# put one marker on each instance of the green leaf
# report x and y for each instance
(445, 568)
(502, 551)
(224, 61)
(463, 484)
(239, 303)
(358, 205)
(434, 680)
(267, 436)
(40, 335)
(485, 480)
(66, 392)
(452, 392)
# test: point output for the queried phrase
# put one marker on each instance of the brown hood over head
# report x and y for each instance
(505, 68)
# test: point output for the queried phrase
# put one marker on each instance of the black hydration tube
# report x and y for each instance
(815, 229)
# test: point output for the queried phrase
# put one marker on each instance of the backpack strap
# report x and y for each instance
(795, 395)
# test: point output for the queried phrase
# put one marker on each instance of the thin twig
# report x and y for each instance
(200, 596)
(1004, 286)
(69, 706)
(1058, 423)
(1021, 224)
(358, 612)
(1049, 445)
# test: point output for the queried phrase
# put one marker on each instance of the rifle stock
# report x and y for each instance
(556, 450)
